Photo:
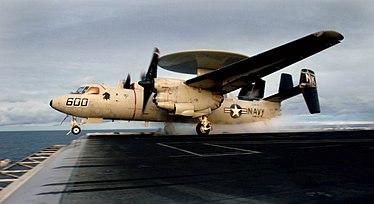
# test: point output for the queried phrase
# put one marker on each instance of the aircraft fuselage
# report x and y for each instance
(127, 104)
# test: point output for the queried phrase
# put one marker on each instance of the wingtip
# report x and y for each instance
(330, 34)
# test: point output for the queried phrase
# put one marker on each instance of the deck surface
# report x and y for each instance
(320, 167)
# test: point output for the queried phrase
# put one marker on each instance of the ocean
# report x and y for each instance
(20, 144)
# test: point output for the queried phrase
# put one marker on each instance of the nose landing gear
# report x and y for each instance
(75, 126)
(203, 127)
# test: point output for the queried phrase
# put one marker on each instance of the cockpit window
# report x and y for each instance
(81, 90)
(93, 90)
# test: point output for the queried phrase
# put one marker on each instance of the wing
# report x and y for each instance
(239, 74)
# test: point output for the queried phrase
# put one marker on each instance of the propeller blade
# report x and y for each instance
(146, 96)
(142, 75)
(147, 82)
(127, 83)
(152, 70)
(64, 119)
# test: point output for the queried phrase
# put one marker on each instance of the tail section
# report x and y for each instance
(286, 83)
(307, 86)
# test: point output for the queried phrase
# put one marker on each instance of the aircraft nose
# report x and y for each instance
(50, 103)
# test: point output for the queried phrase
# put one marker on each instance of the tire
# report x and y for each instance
(201, 131)
(76, 130)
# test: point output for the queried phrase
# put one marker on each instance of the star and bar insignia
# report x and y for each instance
(235, 110)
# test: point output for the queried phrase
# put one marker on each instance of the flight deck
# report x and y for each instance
(320, 167)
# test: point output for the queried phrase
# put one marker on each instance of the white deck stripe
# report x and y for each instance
(182, 150)
(233, 148)
(242, 151)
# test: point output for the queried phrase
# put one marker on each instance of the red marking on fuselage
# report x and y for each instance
(227, 110)
(133, 115)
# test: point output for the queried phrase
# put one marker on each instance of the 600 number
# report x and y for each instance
(77, 102)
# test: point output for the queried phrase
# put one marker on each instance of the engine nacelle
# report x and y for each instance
(168, 105)
(181, 99)
(185, 109)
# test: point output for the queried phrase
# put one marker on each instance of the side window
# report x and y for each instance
(81, 90)
(93, 90)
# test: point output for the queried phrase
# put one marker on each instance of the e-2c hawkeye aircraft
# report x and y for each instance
(202, 100)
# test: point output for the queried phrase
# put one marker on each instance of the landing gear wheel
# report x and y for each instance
(201, 130)
(76, 130)
(203, 127)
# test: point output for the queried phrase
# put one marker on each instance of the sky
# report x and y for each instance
(49, 48)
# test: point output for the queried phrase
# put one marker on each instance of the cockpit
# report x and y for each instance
(87, 90)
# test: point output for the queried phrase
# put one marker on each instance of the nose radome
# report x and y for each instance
(50, 103)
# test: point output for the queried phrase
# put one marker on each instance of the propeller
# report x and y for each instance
(142, 75)
(64, 119)
(127, 82)
(148, 81)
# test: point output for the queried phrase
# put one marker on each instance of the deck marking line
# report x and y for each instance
(321, 146)
(182, 150)
(226, 154)
(233, 148)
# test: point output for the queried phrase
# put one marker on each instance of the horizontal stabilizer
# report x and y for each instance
(286, 89)
(307, 86)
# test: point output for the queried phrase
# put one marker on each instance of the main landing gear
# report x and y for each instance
(203, 127)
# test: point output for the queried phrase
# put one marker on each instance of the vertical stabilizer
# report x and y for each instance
(308, 86)
(286, 83)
